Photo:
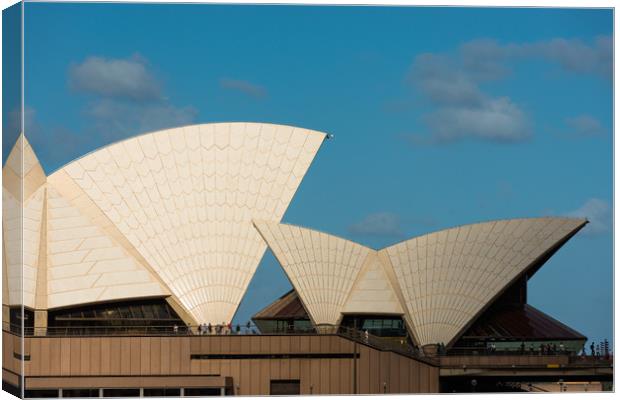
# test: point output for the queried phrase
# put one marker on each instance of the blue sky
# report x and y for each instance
(441, 116)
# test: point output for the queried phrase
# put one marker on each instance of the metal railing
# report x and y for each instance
(152, 330)
(487, 351)
(396, 345)
(131, 330)
(592, 361)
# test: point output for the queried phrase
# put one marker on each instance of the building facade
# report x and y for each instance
(122, 272)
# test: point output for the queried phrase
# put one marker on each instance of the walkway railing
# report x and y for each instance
(487, 351)
(129, 330)
(592, 361)
(397, 345)
(150, 330)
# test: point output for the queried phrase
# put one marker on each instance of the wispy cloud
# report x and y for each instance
(13, 120)
(584, 125)
(245, 87)
(598, 213)
(488, 59)
(121, 119)
(378, 224)
(451, 82)
(126, 97)
(463, 110)
(120, 78)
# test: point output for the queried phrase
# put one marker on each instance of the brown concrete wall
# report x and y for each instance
(11, 344)
(87, 357)
(502, 360)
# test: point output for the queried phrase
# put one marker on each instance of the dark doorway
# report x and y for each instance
(284, 387)
(202, 392)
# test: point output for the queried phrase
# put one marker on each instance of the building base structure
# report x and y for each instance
(213, 364)
(136, 258)
(305, 364)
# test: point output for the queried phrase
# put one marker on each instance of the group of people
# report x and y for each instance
(545, 349)
(210, 329)
(219, 329)
(601, 350)
(441, 349)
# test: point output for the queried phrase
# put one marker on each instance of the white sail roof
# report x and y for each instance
(167, 213)
(321, 267)
(448, 277)
(440, 281)
(87, 265)
(23, 196)
(184, 199)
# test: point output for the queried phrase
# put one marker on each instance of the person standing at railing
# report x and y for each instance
(175, 329)
(366, 335)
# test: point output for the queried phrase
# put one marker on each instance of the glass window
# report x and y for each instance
(121, 316)
(284, 387)
(40, 393)
(203, 392)
(136, 312)
(16, 317)
(122, 392)
(80, 393)
(161, 392)
(386, 326)
(148, 311)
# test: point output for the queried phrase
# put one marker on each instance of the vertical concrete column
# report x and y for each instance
(6, 316)
(40, 322)
(430, 350)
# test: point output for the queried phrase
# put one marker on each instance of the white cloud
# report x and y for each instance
(117, 119)
(248, 88)
(486, 58)
(378, 224)
(127, 98)
(463, 109)
(598, 213)
(584, 125)
(119, 78)
(495, 119)
(576, 56)
(436, 77)
(14, 120)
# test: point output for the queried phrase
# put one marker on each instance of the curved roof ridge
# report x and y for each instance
(493, 256)
(139, 135)
(309, 253)
(254, 221)
(484, 222)
(185, 201)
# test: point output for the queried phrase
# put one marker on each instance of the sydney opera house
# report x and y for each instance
(123, 270)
